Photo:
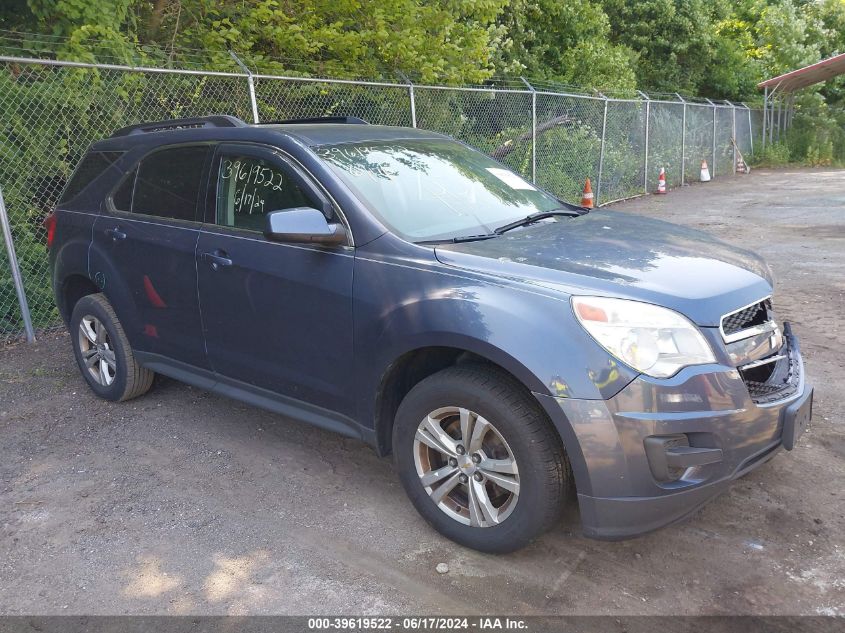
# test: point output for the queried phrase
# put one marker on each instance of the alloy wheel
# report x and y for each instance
(97, 351)
(466, 466)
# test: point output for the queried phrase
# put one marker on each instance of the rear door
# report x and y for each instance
(276, 316)
(143, 254)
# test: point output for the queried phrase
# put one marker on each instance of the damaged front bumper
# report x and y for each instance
(661, 448)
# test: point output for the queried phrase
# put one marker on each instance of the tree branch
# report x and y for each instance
(510, 145)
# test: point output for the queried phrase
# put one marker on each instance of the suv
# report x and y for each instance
(397, 286)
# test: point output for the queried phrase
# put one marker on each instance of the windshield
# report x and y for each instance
(433, 189)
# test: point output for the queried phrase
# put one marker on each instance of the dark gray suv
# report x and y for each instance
(510, 350)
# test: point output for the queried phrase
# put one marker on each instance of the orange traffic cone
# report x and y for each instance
(587, 196)
(661, 181)
(705, 172)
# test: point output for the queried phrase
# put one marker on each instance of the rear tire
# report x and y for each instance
(103, 352)
(498, 455)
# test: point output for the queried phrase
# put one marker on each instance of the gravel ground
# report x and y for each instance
(184, 502)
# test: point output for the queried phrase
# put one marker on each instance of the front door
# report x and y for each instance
(276, 316)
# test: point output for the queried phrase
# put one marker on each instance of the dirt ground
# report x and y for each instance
(185, 502)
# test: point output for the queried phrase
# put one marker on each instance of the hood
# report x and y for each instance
(618, 254)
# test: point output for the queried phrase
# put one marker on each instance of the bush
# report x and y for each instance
(815, 138)
(775, 154)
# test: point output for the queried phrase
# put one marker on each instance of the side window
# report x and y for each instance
(91, 166)
(248, 188)
(168, 183)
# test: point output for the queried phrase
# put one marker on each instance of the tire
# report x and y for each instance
(96, 334)
(504, 519)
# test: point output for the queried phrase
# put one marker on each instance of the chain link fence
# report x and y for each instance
(698, 141)
(52, 111)
(280, 99)
(724, 147)
(498, 122)
(568, 142)
(665, 142)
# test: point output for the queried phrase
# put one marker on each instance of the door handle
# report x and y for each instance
(217, 260)
(116, 234)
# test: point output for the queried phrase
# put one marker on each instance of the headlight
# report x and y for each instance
(653, 340)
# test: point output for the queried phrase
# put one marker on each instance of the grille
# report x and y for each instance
(756, 314)
(769, 383)
(761, 390)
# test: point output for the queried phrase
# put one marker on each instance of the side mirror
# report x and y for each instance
(303, 224)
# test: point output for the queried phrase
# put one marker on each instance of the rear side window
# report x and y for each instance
(91, 166)
(167, 184)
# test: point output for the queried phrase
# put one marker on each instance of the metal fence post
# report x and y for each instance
(413, 105)
(411, 95)
(787, 119)
(750, 129)
(533, 130)
(771, 109)
(733, 132)
(713, 167)
(774, 132)
(249, 80)
(16, 271)
(772, 97)
(683, 140)
(645, 150)
(601, 153)
(765, 114)
(771, 117)
(770, 122)
(791, 109)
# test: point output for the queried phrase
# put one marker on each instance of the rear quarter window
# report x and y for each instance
(90, 167)
(122, 197)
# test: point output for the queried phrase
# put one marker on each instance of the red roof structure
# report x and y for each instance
(779, 92)
(807, 76)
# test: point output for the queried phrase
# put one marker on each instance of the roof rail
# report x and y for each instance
(351, 120)
(217, 120)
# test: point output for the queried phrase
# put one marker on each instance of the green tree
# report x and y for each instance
(782, 29)
(446, 41)
(449, 40)
(673, 40)
(566, 41)
(829, 19)
(717, 48)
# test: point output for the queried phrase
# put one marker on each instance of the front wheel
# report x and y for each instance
(479, 459)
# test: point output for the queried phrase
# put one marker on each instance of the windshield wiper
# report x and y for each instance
(460, 238)
(534, 217)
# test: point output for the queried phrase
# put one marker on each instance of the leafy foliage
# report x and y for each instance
(565, 41)
(718, 48)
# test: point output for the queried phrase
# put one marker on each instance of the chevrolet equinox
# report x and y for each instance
(394, 285)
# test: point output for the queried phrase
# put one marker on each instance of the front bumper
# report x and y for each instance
(622, 492)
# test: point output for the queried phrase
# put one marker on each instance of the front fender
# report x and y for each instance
(405, 305)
